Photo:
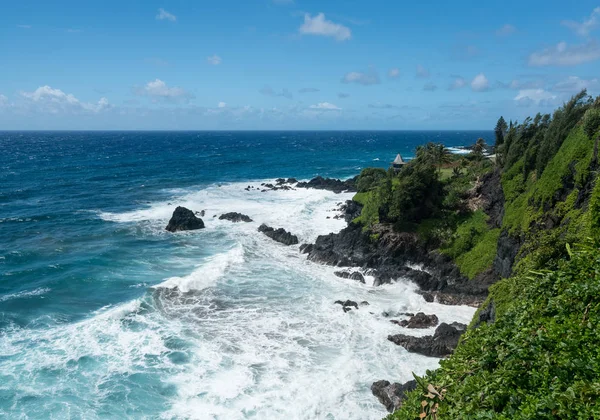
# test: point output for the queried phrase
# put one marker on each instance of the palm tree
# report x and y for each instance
(479, 147)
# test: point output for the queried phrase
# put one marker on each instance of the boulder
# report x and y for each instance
(420, 320)
(279, 235)
(350, 275)
(184, 219)
(391, 395)
(442, 343)
(347, 305)
(235, 217)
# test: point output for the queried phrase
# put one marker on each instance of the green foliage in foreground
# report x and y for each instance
(539, 360)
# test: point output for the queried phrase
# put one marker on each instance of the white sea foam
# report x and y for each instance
(259, 336)
(25, 294)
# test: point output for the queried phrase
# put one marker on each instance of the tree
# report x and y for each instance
(500, 131)
(479, 147)
(591, 125)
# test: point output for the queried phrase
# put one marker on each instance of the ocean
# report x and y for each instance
(104, 314)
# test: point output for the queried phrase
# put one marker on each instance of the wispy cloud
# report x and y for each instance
(586, 26)
(269, 91)
(318, 25)
(458, 83)
(164, 15)
(158, 90)
(394, 73)
(282, 2)
(214, 59)
(308, 90)
(221, 105)
(422, 72)
(342, 95)
(528, 97)
(480, 83)
(430, 87)
(366, 79)
(24, 26)
(566, 55)
(574, 84)
(506, 30)
(379, 105)
(325, 106)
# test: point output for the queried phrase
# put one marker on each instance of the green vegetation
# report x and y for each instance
(539, 360)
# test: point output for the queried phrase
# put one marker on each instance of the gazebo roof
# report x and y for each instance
(398, 160)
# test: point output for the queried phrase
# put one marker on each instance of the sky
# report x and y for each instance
(291, 64)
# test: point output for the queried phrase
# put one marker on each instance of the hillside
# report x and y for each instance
(523, 231)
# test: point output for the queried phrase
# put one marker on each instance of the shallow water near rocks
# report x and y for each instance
(103, 314)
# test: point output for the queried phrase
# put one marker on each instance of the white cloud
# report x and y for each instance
(542, 97)
(574, 84)
(326, 106)
(320, 26)
(480, 83)
(158, 90)
(48, 99)
(366, 79)
(588, 25)
(3, 100)
(164, 15)
(215, 60)
(506, 30)
(24, 26)
(342, 95)
(566, 55)
(394, 72)
(222, 105)
(458, 83)
(422, 72)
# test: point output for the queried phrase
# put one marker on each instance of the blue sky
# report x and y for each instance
(292, 64)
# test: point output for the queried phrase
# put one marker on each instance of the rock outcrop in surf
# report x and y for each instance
(279, 235)
(391, 395)
(184, 219)
(235, 217)
(442, 343)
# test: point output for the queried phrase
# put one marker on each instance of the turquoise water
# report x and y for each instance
(103, 314)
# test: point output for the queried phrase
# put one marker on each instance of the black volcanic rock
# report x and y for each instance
(184, 219)
(235, 217)
(420, 320)
(352, 276)
(442, 343)
(330, 184)
(391, 395)
(279, 235)
(347, 304)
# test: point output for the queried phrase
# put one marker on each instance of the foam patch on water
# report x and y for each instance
(208, 273)
(25, 294)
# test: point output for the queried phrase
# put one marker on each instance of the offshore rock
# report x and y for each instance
(235, 217)
(391, 395)
(420, 320)
(184, 219)
(280, 235)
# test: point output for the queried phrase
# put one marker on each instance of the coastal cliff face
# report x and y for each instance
(542, 209)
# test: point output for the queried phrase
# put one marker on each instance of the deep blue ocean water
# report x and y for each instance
(85, 332)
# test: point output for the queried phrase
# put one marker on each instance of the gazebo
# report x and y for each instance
(398, 163)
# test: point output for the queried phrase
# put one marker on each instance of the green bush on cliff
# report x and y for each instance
(539, 360)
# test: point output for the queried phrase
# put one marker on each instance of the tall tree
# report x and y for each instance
(500, 131)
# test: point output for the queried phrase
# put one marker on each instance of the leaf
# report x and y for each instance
(432, 389)
(569, 250)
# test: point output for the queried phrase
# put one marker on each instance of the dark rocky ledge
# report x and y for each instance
(330, 184)
(442, 343)
(279, 235)
(184, 219)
